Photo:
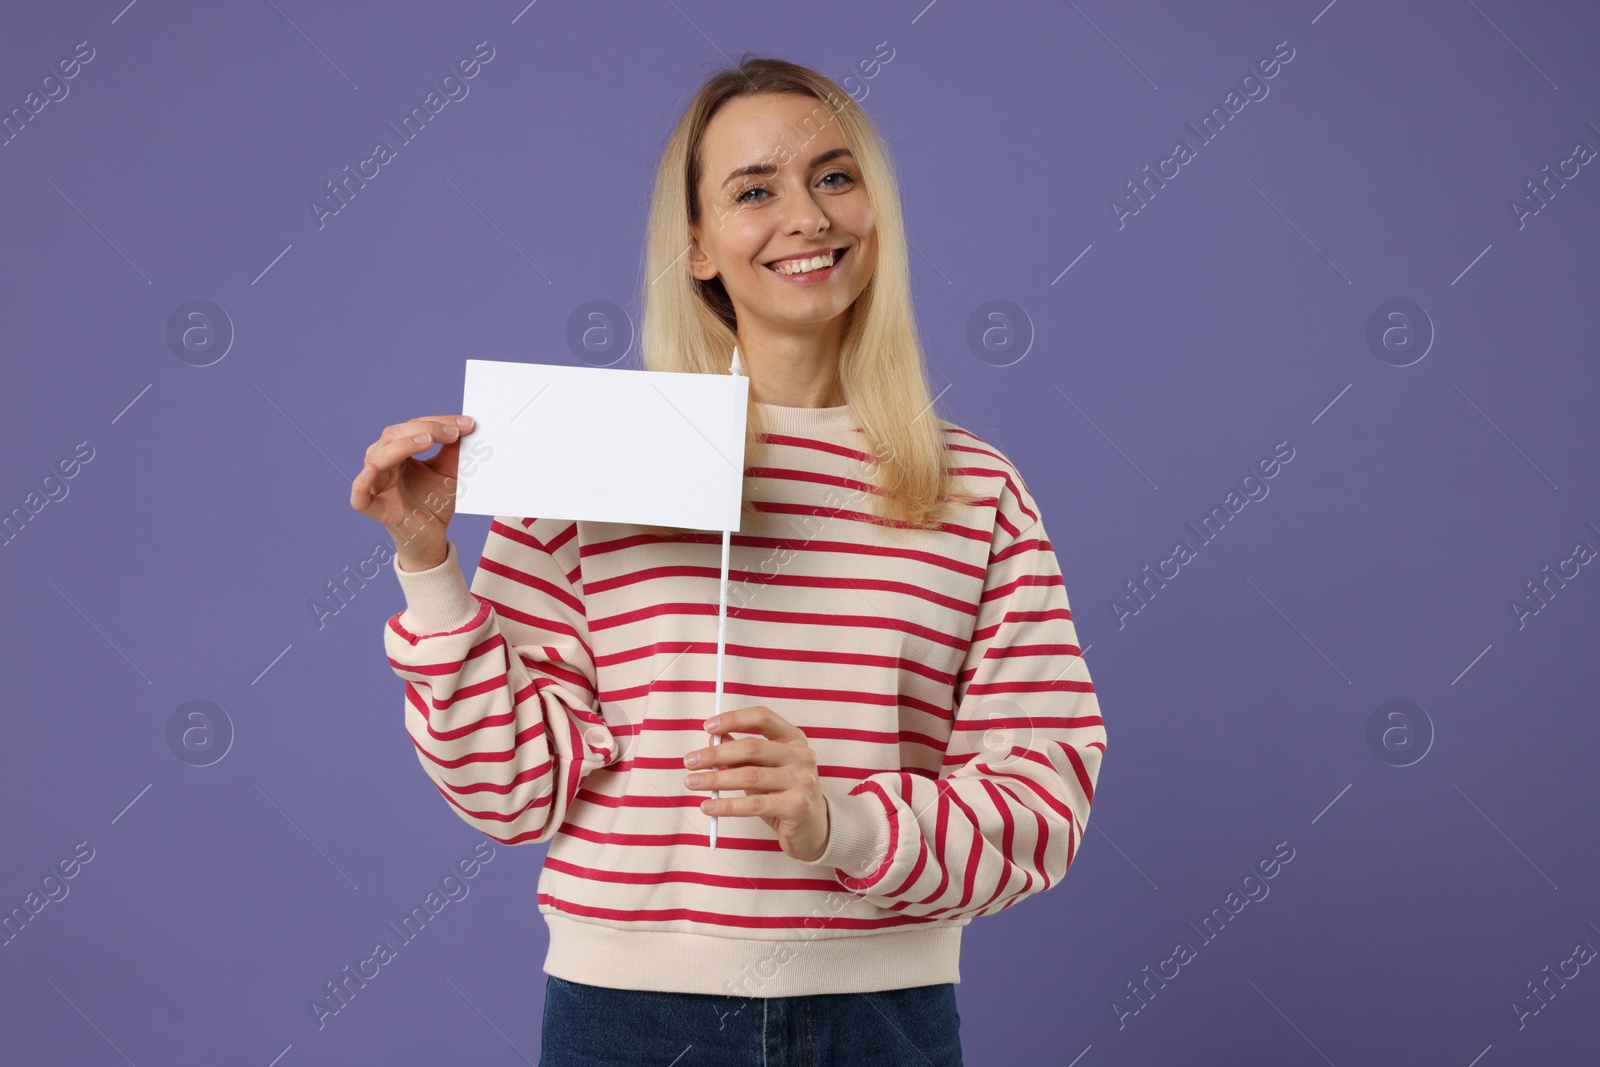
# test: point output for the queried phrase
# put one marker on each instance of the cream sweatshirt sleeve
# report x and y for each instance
(1005, 817)
(501, 699)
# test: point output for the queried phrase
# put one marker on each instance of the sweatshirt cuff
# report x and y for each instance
(437, 599)
(858, 835)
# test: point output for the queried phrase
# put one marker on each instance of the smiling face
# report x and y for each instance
(779, 188)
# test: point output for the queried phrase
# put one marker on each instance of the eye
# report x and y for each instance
(849, 180)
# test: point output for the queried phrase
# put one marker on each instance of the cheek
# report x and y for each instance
(867, 235)
(868, 250)
(747, 243)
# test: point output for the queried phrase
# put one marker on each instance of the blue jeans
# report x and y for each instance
(594, 1026)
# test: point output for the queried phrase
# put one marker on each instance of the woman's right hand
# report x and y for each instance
(413, 498)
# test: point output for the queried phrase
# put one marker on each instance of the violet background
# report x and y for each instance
(1227, 315)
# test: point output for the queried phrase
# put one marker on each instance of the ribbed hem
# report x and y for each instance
(437, 599)
(806, 421)
(805, 965)
(858, 835)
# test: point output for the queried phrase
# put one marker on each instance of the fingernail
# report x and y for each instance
(692, 760)
(693, 780)
(712, 724)
(422, 438)
(464, 421)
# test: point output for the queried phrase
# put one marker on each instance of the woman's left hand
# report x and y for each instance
(777, 771)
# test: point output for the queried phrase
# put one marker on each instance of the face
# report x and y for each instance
(779, 182)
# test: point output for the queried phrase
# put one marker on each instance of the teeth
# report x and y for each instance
(803, 266)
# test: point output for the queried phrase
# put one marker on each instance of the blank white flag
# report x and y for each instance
(603, 444)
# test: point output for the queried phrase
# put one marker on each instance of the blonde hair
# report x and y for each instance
(688, 324)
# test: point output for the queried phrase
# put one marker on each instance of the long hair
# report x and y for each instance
(689, 324)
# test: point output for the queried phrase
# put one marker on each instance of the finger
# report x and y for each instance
(459, 423)
(757, 750)
(767, 804)
(361, 488)
(373, 478)
(750, 778)
(441, 427)
(758, 718)
(391, 453)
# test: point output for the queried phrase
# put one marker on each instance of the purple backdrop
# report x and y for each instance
(1378, 260)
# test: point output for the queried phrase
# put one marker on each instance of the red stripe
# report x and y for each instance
(868, 881)
(793, 655)
(941, 829)
(819, 511)
(690, 877)
(472, 623)
(547, 625)
(1053, 803)
(497, 816)
(1041, 838)
(533, 732)
(812, 445)
(1005, 475)
(796, 544)
(1084, 784)
(1040, 722)
(627, 916)
(811, 477)
(532, 581)
(760, 579)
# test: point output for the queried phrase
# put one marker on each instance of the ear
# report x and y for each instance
(700, 264)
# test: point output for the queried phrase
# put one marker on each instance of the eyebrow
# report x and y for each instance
(768, 168)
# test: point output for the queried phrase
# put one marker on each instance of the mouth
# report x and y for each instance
(785, 268)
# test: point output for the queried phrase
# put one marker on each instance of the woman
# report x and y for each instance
(915, 739)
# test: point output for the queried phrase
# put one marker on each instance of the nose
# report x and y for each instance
(808, 220)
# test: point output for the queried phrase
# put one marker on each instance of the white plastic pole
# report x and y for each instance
(722, 630)
(722, 616)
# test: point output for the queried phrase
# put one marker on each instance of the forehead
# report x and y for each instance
(770, 128)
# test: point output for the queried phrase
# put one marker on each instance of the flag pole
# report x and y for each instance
(722, 629)
(722, 615)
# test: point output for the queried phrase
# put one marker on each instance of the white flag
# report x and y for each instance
(604, 445)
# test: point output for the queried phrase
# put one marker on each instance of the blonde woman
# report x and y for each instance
(909, 739)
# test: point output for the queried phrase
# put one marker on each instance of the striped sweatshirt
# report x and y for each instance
(936, 675)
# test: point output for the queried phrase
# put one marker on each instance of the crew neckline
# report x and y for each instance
(780, 419)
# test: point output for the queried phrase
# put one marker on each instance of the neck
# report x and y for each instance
(793, 370)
